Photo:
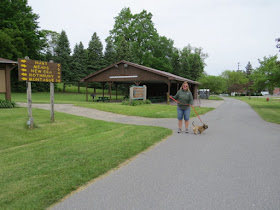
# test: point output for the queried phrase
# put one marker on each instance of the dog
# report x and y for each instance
(199, 129)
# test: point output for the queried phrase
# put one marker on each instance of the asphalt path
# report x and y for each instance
(235, 164)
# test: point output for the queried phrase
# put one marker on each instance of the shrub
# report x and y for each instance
(135, 102)
(7, 104)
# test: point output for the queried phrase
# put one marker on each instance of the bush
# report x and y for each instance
(135, 102)
(7, 104)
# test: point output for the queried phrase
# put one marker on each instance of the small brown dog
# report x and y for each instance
(199, 129)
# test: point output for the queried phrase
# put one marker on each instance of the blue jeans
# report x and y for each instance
(183, 113)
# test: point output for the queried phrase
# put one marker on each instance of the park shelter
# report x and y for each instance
(159, 83)
(6, 66)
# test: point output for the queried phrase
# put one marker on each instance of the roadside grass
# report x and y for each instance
(145, 110)
(41, 166)
(74, 89)
(60, 98)
(215, 98)
(268, 110)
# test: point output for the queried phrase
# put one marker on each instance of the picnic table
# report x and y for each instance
(104, 99)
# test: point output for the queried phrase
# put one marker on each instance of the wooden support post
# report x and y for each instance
(52, 100)
(30, 122)
(110, 89)
(86, 91)
(116, 91)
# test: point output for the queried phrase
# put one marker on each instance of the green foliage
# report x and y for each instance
(79, 62)
(62, 56)
(7, 104)
(95, 54)
(267, 75)
(216, 84)
(236, 81)
(135, 102)
(192, 62)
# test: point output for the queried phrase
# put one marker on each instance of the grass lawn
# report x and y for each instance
(60, 98)
(268, 110)
(147, 110)
(41, 166)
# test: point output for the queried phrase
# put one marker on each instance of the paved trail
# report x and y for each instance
(235, 164)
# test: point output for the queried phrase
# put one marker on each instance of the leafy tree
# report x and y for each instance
(192, 62)
(267, 75)
(19, 30)
(95, 54)
(20, 37)
(51, 41)
(216, 84)
(62, 56)
(124, 51)
(235, 81)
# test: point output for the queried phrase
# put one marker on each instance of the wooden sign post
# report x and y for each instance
(38, 71)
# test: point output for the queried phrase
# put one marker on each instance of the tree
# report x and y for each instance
(235, 81)
(95, 54)
(79, 63)
(110, 55)
(248, 68)
(19, 37)
(63, 57)
(51, 40)
(268, 74)
(216, 84)
(19, 30)
(192, 62)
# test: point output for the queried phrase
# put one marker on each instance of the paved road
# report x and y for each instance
(235, 164)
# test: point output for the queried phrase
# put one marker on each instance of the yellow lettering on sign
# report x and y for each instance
(23, 61)
(24, 74)
(23, 69)
(23, 65)
(24, 78)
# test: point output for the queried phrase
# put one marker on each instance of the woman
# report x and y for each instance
(184, 96)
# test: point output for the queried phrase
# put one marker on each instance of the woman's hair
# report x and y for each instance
(185, 83)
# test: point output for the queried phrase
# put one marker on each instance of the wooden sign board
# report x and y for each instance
(38, 71)
(138, 92)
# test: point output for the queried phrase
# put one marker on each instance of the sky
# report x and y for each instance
(231, 32)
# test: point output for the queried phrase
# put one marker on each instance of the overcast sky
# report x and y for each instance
(229, 31)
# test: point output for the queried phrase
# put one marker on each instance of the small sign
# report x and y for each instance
(138, 92)
(38, 71)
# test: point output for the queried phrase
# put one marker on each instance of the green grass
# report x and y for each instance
(268, 110)
(146, 110)
(44, 97)
(42, 165)
(74, 89)
(215, 98)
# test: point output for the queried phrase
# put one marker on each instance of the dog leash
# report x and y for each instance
(188, 105)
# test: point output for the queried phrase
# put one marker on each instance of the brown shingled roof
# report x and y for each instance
(162, 73)
(3, 60)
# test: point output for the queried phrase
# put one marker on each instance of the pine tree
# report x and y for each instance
(63, 57)
(110, 55)
(95, 54)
